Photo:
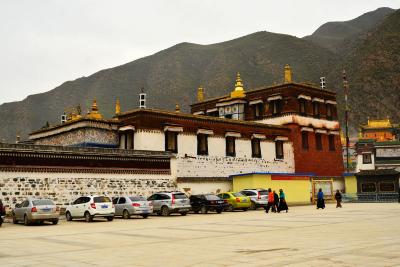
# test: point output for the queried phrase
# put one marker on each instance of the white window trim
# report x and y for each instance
(173, 129)
(211, 110)
(334, 133)
(198, 113)
(255, 102)
(281, 138)
(306, 97)
(205, 131)
(272, 98)
(307, 129)
(258, 136)
(127, 128)
(321, 131)
(331, 102)
(233, 134)
(316, 99)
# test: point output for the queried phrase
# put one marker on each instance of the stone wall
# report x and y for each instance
(65, 187)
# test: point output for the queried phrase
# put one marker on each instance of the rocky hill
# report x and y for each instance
(172, 75)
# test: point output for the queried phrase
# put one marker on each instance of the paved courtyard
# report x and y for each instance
(357, 235)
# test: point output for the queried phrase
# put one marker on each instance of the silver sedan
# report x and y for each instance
(134, 205)
(35, 210)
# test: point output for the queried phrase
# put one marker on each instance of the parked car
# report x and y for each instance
(137, 205)
(35, 210)
(259, 197)
(165, 203)
(90, 207)
(207, 202)
(235, 200)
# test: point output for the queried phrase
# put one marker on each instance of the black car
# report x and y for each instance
(207, 202)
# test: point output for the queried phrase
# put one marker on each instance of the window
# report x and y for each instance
(122, 200)
(304, 140)
(202, 144)
(276, 106)
(171, 141)
(255, 148)
(316, 109)
(126, 140)
(368, 187)
(101, 199)
(230, 146)
(258, 110)
(329, 111)
(302, 106)
(279, 149)
(318, 141)
(331, 142)
(367, 159)
(386, 187)
(115, 200)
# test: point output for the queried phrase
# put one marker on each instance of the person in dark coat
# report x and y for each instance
(320, 199)
(338, 198)
(282, 202)
(2, 212)
(276, 202)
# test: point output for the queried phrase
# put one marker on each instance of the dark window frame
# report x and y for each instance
(329, 107)
(304, 140)
(331, 140)
(316, 109)
(367, 160)
(227, 152)
(302, 106)
(258, 108)
(175, 137)
(318, 142)
(199, 140)
(279, 146)
(257, 142)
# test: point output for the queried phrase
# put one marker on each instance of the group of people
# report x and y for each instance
(276, 203)
(321, 201)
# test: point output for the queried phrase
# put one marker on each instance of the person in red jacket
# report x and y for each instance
(270, 200)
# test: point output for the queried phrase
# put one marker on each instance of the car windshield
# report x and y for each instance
(137, 198)
(42, 202)
(212, 197)
(180, 196)
(238, 194)
(263, 192)
(101, 199)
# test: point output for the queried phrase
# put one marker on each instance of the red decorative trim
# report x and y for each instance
(284, 177)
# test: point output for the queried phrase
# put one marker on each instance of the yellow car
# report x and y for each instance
(235, 200)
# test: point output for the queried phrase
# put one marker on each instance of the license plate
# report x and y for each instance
(104, 206)
(145, 211)
(46, 210)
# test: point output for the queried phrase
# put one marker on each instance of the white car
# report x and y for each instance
(89, 207)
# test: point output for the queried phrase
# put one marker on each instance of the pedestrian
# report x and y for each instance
(270, 200)
(276, 202)
(338, 198)
(282, 202)
(320, 199)
(2, 212)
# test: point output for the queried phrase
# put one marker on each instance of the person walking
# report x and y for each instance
(2, 212)
(282, 202)
(276, 202)
(320, 199)
(270, 200)
(338, 198)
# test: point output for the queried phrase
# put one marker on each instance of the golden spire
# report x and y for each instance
(239, 90)
(117, 107)
(177, 108)
(288, 74)
(200, 94)
(94, 113)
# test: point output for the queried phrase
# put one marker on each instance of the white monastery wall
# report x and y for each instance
(149, 140)
(362, 166)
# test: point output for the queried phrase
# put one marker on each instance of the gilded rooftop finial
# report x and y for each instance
(94, 113)
(200, 94)
(117, 107)
(288, 74)
(239, 90)
(177, 108)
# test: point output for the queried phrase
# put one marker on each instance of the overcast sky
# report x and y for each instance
(46, 42)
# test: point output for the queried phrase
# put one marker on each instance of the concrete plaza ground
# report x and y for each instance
(357, 235)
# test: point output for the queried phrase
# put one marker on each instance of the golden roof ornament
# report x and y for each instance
(117, 107)
(94, 113)
(288, 74)
(239, 90)
(177, 108)
(200, 94)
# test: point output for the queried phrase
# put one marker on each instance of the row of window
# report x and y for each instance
(318, 141)
(370, 187)
(171, 144)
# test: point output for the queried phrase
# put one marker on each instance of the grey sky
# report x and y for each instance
(47, 42)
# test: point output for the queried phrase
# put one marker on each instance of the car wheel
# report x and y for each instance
(204, 210)
(245, 209)
(55, 222)
(15, 221)
(196, 211)
(165, 211)
(219, 211)
(68, 216)
(145, 216)
(88, 217)
(183, 213)
(231, 208)
(110, 218)
(253, 206)
(126, 215)
(26, 220)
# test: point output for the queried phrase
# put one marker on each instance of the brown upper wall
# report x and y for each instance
(158, 119)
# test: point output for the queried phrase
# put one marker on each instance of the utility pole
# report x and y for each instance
(346, 117)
